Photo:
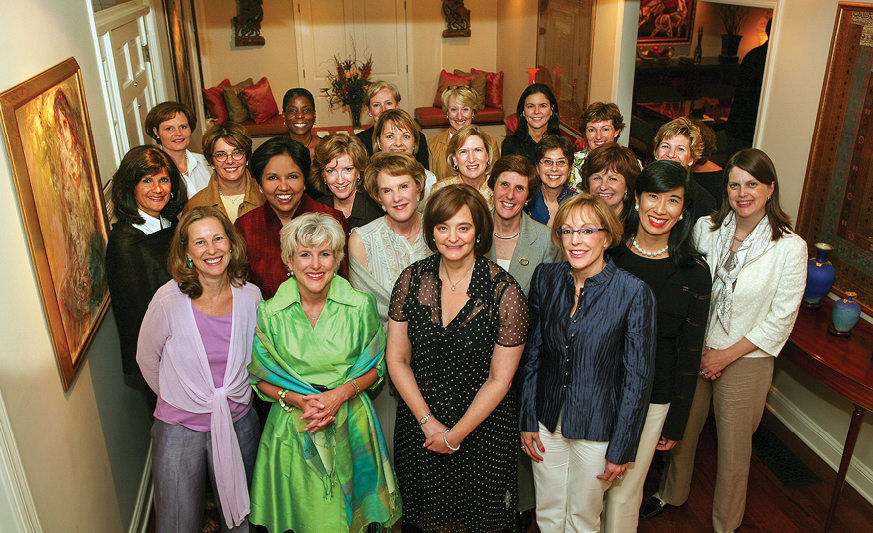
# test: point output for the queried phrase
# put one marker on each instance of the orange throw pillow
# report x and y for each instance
(213, 99)
(493, 89)
(259, 99)
(447, 80)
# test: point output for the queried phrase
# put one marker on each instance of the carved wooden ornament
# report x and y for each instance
(247, 25)
(457, 19)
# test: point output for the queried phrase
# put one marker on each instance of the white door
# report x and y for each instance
(125, 54)
(341, 28)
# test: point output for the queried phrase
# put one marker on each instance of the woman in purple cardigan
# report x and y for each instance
(194, 348)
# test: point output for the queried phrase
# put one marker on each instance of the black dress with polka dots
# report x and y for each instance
(474, 489)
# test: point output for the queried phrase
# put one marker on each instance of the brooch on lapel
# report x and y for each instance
(524, 261)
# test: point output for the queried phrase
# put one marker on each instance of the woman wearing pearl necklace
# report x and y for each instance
(658, 249)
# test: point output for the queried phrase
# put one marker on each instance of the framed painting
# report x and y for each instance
(51, 151)
(666, 21)
(838, 190)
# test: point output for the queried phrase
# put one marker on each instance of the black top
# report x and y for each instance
(593, 370)
(711, 182)
(704, 204)
(364, 210)
(744, 106)
(475, 489)
(421, 156)
(526, 147)
(136, 267)
(682, 297)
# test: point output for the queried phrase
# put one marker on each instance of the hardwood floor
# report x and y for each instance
(770, 508)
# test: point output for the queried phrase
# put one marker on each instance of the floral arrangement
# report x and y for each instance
(348, 86)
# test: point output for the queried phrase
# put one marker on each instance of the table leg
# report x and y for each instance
(848, 449)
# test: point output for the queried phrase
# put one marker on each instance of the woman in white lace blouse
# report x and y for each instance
(381, 249)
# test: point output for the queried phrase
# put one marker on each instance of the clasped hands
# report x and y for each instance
(434, 431)
(320, 409)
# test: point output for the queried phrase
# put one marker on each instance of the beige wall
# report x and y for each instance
(84, 451)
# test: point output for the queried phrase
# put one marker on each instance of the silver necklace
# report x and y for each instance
(738, 239)
(455, 285)
(230, 199)
(508, 236)
(649, 254)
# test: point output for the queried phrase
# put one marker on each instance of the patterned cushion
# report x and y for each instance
(236, 106)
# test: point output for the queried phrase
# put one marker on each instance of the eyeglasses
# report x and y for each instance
(560, 163)
(585, 232)
(221, 157)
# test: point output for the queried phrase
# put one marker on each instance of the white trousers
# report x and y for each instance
(569, 495)
(621, 508)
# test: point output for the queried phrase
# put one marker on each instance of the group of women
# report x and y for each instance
(450, 347)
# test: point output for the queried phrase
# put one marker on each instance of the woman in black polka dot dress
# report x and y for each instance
(456, 332)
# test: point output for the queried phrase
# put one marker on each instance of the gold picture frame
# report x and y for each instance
(51, 151)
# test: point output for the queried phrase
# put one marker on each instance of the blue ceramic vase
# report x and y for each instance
(846, 313)
(820, 276)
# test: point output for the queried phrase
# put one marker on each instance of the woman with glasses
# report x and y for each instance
(231, 189)
(554, 160)
(586, 370)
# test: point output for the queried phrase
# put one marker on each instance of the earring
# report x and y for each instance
(681, 216)
(768, 197)
(625, 196)
(190, 263)
(231, 252)
(637, 207)
(478, 239)
(455, 166)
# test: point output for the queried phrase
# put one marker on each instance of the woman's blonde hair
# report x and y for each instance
(332, 147)
(401, 120)
(682, 126)
(463, 95)
(461, 137)
(310, 230)
(596, 205)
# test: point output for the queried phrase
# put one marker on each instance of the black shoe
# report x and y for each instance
(652, 507)
(524, 519)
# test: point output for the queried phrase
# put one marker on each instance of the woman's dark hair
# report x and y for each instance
(297, 91)
(281, 145)
(177, 260)
(759, 165)
(446, 202)
(520, 165)
(617, 158)
(550, 142)
(138, 163)
(553, 127)
(601, 112)
(663, 176)
(164, 112)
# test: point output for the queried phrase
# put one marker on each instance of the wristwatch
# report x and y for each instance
(424, 419)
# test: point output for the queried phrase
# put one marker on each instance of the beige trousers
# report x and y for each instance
(738, 399)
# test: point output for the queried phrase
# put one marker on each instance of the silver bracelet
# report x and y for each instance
(355, 385)
(446, 440)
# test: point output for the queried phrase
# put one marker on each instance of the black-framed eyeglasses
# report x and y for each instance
(221, 157)
(585, 232)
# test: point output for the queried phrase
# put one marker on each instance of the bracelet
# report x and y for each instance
(424, 419)
(446, 440)
(355, 385)
(285, 406)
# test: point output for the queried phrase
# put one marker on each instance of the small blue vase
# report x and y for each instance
(846, 313)
(820, 276)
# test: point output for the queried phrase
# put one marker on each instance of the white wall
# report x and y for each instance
(84, 451)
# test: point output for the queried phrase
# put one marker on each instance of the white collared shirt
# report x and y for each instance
(198, 173)
(152, 224)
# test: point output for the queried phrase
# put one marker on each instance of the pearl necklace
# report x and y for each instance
(649, 254)
(455, 285)
(508, 236)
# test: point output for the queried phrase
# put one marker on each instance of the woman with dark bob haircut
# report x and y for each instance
(758, 278)
(657, 248)
(194, 350)
(279, 167)
(603, 124)
(171, 124)
(609, 172)
(298, 110)
(553, 158)
(148, 194)
(537, 113)
(456, 329)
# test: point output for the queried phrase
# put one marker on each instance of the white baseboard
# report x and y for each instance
(141, 512)
(859, 475)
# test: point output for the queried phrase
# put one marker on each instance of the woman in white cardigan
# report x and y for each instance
(759, 275)
(193, 349)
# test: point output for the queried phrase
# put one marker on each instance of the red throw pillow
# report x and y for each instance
(259, 99)
(447, 80)
(213, 99)
(493, 88)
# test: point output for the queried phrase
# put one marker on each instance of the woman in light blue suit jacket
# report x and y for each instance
(520, 244)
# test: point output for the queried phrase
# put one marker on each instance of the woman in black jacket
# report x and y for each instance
(148, 194)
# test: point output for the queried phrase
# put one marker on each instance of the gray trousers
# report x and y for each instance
(182, 459)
